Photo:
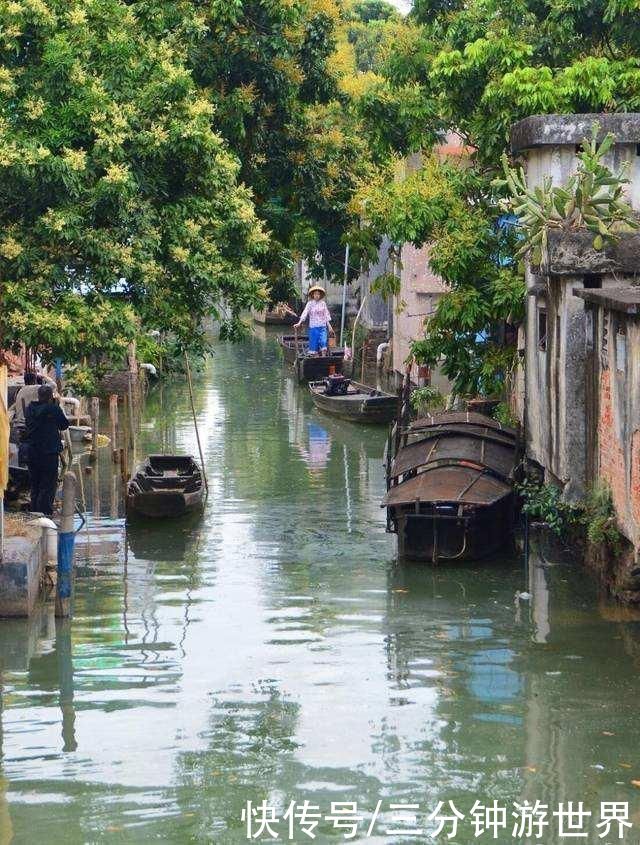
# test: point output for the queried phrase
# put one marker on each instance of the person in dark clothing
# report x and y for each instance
(45, 420)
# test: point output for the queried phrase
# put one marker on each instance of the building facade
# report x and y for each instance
(579, 401)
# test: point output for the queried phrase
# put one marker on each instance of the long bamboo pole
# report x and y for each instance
(344, 295)
(195, 421)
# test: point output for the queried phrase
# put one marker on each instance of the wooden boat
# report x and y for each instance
(450, 493)
(308, 367)
(165, 485)
(273, 317)
(360, 403)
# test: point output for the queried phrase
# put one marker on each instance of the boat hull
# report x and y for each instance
(310, 367)
(273, 318)
(432, 538)
(360, 408)
(165, 486)
(163, 503)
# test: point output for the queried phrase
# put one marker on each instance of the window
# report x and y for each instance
(592, 281)
(542, 329)
(604, 351)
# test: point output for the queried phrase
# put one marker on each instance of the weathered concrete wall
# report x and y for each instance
(619, 419)
(555, 401)
(20, 574)
(376, 313)
(554, 375)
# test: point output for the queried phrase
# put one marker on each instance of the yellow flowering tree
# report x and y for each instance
(114, 184)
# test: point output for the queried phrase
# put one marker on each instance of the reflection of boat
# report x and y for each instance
(157, 543)
(358, 403)
(450, 487)
(165, 485)
(309, 367)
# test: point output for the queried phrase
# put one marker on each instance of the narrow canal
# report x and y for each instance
(272, 650)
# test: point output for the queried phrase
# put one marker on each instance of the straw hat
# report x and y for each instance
(316, 288)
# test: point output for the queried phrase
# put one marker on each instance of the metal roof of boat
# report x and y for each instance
(453, 445)
(455, 483)
(461, 417)
(479, 431)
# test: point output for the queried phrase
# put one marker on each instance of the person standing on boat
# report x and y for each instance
(45, 420)
(320, 327)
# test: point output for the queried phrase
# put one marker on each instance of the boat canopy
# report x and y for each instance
(451, 483)
(451, 445)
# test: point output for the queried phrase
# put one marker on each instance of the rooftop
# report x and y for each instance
(625, 299)
(541, 130)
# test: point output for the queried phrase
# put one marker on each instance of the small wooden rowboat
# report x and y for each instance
(165, 485)
(309, 367)
(360, 403)
(274, 317)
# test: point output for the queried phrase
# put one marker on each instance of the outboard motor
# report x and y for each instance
(336, 385)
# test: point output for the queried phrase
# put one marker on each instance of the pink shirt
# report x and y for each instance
(317, 312)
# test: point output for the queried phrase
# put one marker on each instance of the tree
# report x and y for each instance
(475, 69)
(113, 181)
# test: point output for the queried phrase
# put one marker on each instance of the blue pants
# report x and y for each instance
(318, 338)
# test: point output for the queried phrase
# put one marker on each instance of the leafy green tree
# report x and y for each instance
(475, 69)
(113, 181)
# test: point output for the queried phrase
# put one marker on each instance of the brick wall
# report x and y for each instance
(619, 436)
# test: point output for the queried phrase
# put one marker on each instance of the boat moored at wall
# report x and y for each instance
(450, 486)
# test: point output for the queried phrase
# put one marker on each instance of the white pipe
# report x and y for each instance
(382, 348)
(50, 536)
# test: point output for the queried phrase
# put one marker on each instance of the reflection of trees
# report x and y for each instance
(250, 747)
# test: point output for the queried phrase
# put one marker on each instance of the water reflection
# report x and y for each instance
(274, 650)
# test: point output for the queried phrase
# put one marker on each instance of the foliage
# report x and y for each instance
(592, 199)
(474, 69)
(543, 502)
(595, 515)
(150, 350)
(466, 249)
(425, 399)
(81, 380)
(66, 325)
(504, 415)
(113, 181)
(387, 285)
(600, 518)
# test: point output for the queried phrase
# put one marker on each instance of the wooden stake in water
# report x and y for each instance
(113, 419)
(66, 539)
(195, 421)
(95, 420)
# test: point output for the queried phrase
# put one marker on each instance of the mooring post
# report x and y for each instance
(66, 540)
(95, 420)
(113, 421)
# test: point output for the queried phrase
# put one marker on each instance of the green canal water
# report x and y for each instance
(274, 650)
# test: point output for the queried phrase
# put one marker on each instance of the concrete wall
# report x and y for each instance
(420, 290)
(376, 313)
(557, 400)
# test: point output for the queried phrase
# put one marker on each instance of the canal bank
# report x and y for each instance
(273, 650)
